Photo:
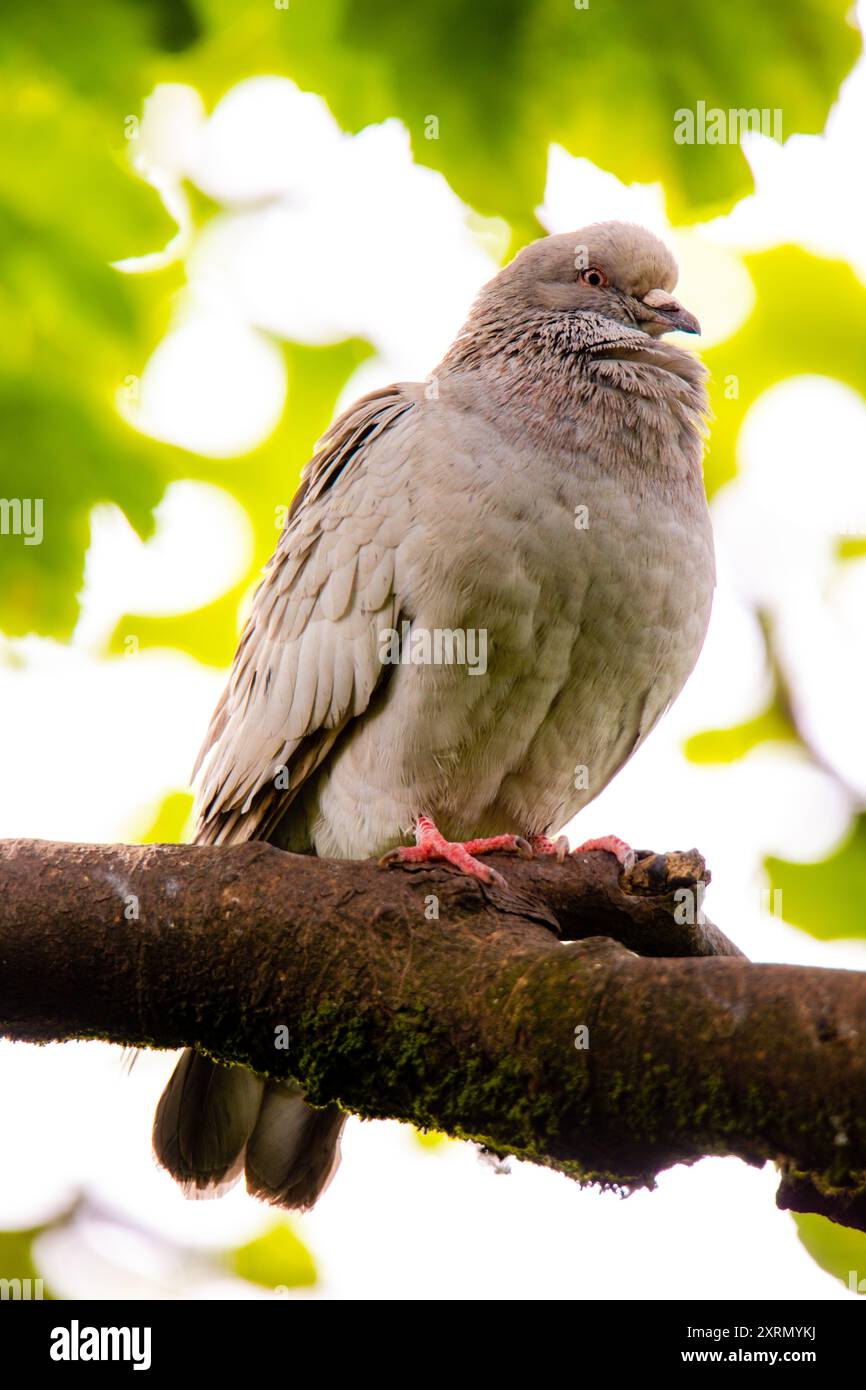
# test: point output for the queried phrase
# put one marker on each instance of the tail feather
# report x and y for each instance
(213, 1121)
(205, 1116)
(294, 1150)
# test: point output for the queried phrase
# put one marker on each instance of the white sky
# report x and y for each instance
(111, 737)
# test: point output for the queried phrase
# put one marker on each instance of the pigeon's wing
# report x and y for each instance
(308, 661)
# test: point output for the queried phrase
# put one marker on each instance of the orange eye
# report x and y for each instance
(595, 277)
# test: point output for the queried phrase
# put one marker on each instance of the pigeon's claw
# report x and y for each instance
(542, 845)
(500, 844)
(450, 852)
(431, 845)
(623, 853)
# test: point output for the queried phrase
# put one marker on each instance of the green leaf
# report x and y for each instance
(86, 194)
(60, 454)
(505, 78)
(787, 334)
(826, 898)
(276, 1259)
(171, 824)
(726, 745)
(430, 1138)
(106, 55)
(17, 1263)
(71, 328)
(264, 482)
(842, 1252)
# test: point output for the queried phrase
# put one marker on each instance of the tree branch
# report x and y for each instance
(425, 996)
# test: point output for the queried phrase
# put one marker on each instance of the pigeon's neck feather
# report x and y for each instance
(574, 382)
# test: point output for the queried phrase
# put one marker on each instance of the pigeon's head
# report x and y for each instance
(612, 268)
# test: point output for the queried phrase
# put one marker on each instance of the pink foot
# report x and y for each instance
(430, 845)
(542, 845)
(623, 853)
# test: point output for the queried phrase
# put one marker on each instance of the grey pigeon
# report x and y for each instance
(489, 588)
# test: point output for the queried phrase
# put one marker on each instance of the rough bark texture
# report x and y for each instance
(425, 996)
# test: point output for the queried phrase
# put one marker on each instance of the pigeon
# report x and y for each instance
(489, 588)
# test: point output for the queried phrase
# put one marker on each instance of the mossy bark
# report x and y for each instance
(428, 997)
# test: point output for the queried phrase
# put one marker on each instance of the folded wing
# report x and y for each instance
(308, 661)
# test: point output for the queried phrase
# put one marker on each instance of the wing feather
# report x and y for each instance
(308, 661)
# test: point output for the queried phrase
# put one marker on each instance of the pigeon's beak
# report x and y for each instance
(670, 313)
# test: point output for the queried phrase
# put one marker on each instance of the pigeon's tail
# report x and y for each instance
(203, 1122)
(213, 1122)
(294, 1150)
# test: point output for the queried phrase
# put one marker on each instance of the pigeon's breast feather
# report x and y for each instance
(589, 588)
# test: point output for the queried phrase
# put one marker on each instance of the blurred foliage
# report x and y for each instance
(505, 78)
(430, 1139)
(827, 898)
(835, 1248)
(16, 1260)
(823, 898)
(70, 328)
(726, 745)
(264, 483)
(776, 723)
(502, 80)
(170, 825)
(278, 1259)
(789, 333)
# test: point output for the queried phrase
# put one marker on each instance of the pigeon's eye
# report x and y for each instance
(593, 276)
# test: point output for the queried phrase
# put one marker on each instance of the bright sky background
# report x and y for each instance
(88, 747)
